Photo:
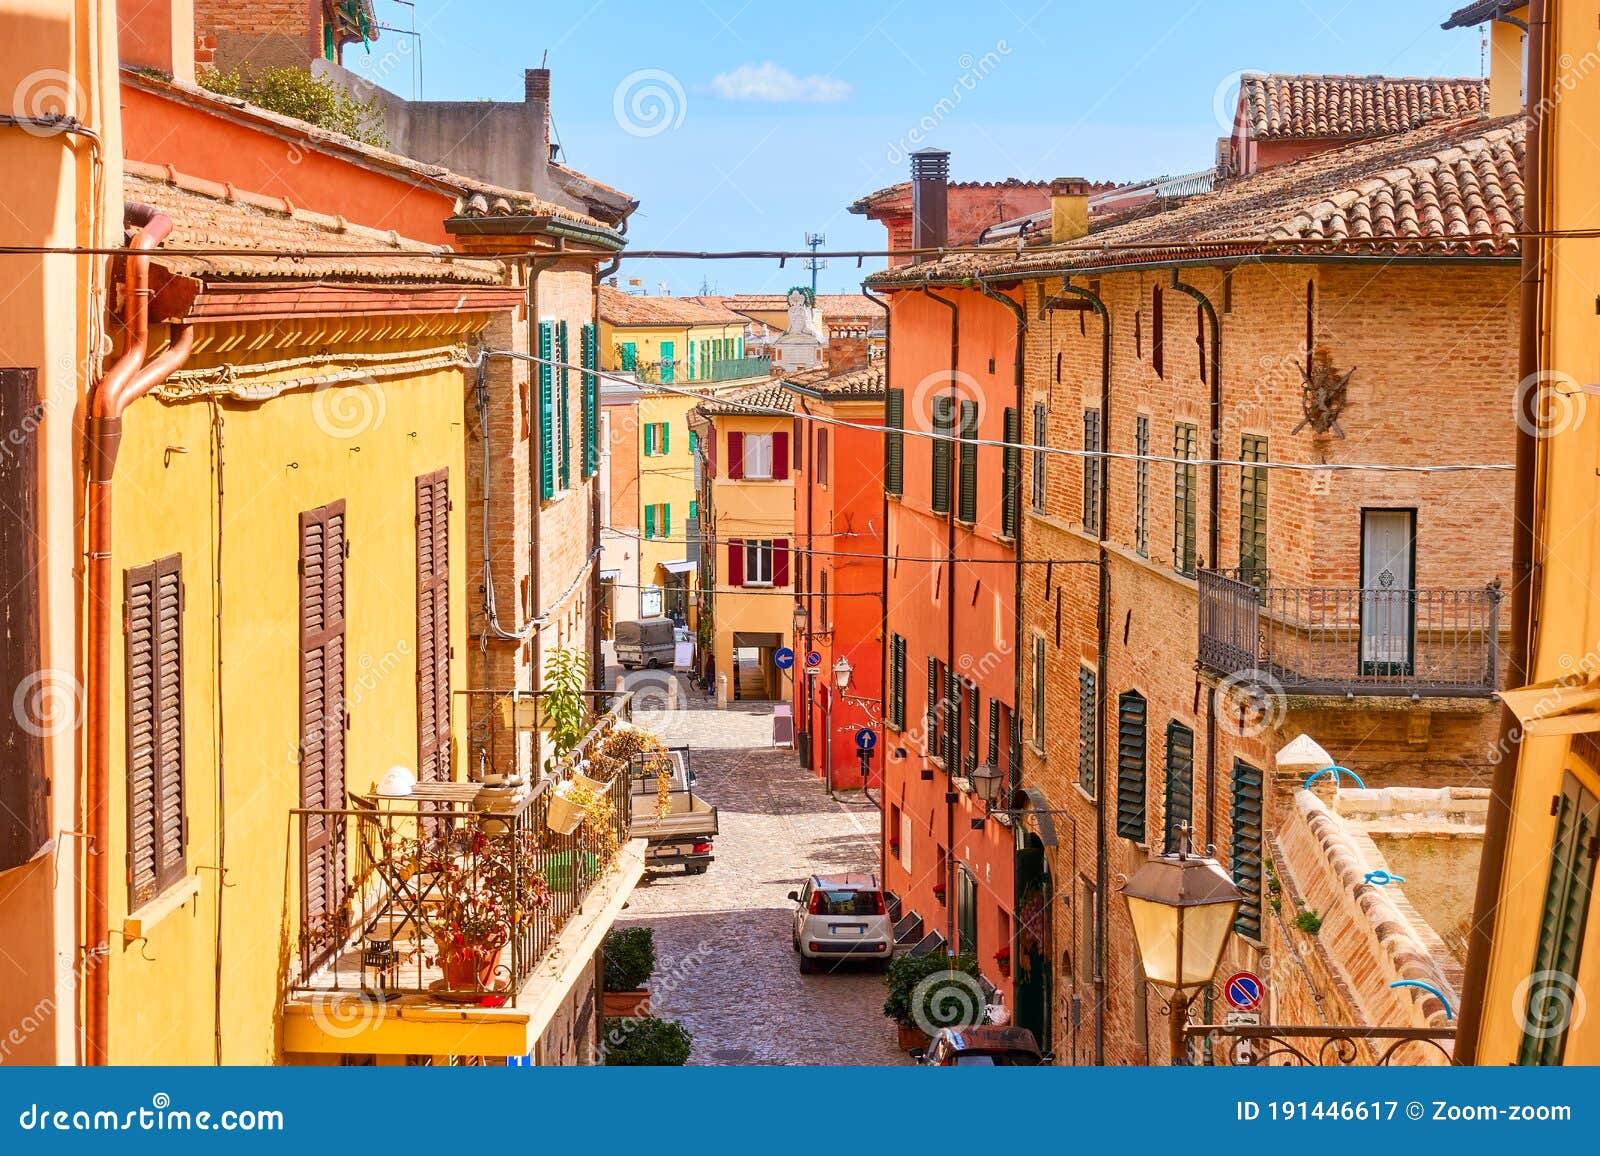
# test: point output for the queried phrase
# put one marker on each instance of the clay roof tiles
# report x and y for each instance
(207, 215)
(1280, 107)
(635, 309)
(764, 395)
(1445, 189)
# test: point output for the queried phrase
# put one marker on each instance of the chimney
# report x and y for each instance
(847, 349)
(536, 85)
(1069, 209)
(930, 197)
(159, 35)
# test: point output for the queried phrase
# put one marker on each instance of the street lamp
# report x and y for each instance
(986, 780)
(842, 670)
(1182, 906)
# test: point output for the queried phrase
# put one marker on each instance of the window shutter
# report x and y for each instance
(1016, 748)
(894, 442)
(1131, 711)
(1011, 459)
(157, 818)
(547, 433)
(994, 732)
(943, 422)
(969, 462)
(1558, 948)
(735, 455)
(780, 562)
(666, 437)
(649, 439)
(649, 522)
(322, 706)
(1180, 781)
(591, 403)
(1158, 330)
(433, 627)
(933, 705)
(974, 723)
(566, 412)
(666, 519)
(1245, 816)
(780, 455)
(1088, 716)
(735, 561)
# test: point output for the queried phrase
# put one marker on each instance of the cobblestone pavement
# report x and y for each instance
(725, 965)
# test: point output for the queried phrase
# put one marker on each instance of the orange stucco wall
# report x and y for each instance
(163, 130)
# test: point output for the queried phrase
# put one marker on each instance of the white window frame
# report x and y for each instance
(758, 562)
(758, 457)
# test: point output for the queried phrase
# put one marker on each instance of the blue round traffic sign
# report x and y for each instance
(866, 739)
(1243, 991)
(783, 659)
(814, 659)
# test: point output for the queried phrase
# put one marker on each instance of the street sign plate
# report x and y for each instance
(1236, 1019)
(1243, 991)
(813, 659)
(866, 739)
(783, 658)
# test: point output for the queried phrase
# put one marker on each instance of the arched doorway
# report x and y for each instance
(1035, 983)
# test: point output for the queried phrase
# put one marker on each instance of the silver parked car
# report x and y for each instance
(842, 917)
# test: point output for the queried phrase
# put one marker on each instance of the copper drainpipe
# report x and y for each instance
(1524, 575)
(130, 378)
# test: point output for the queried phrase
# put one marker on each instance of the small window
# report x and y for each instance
(1088, 711)
(1092, 466)
(1141, 486)
(758, 456)
(1039, 426)
(827, 619)
(822, 456)
(1185, 486)
(1038, 692)
(758, 563)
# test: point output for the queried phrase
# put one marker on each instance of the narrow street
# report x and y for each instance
(725, 967)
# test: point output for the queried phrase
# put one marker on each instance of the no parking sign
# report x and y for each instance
(1244, 991)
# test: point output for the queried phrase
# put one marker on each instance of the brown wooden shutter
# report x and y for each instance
(433, 626)
(157, 824)
(322, 703)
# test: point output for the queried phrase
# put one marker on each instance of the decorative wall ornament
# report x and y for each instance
(1324, 394)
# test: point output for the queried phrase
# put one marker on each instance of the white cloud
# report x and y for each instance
(768, 82)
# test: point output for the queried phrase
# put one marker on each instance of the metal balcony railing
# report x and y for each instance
(1327, 1046)
(1342, 640)
(684, 372)
(456, 891)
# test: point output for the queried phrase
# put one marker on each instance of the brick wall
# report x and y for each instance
(1434, 354)
(264, 34)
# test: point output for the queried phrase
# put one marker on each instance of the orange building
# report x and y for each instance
(950, 629)
(839, 523)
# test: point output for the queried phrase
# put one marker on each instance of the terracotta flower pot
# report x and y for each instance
(466, 968)
(626, 1004)
(912, 1039)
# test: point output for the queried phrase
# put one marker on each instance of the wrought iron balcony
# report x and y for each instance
(1327, 1046)
(458, 890)
(1322, 640)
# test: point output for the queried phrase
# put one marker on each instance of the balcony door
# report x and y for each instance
(1388, 596)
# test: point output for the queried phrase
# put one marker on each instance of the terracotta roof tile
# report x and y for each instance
(624, 309)
(834, 306)
(1278, 107)
(857, 384)
(1424, 190)
(1482, 13)
(765, 395)
(207, 215)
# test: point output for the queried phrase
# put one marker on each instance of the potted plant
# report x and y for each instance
(910, 995)
(630, 958)
(939, 891)
(476, 906)
(646, 1042)
(1002, 959)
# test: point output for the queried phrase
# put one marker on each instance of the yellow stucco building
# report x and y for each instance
(747, 567)
(1535, 957)
(670, 340)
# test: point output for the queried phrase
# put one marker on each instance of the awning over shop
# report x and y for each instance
(682, 566)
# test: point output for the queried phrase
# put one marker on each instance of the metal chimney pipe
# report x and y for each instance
(930, 199)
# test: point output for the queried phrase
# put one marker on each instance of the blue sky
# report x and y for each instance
(745, 125)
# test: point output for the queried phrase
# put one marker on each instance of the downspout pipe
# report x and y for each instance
(1102, 667)
(596, 522)
(128, 379)
(950, 622)
(1525, 578)
(1213, 528)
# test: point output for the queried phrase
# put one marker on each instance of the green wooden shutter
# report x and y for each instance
(1185, 485)
(1252, 505)
(1245, 818)
(666, 519)
(666, 437)
(1011, 459)
(1561, 925)
(649, 522)
(894, 442)
(630, 356)
(994, 732)
(943, 425)
(1088, 709)
(566, 412)
(1131, 713)
(933, 706)
(591, 404)
(969, 462)
(1180, 781)
(547, 433)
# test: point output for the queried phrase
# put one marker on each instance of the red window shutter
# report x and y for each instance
(736, 455)
(735, 561)
(433, 626)
(780, 561)
(780, 455)
(322, 710)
